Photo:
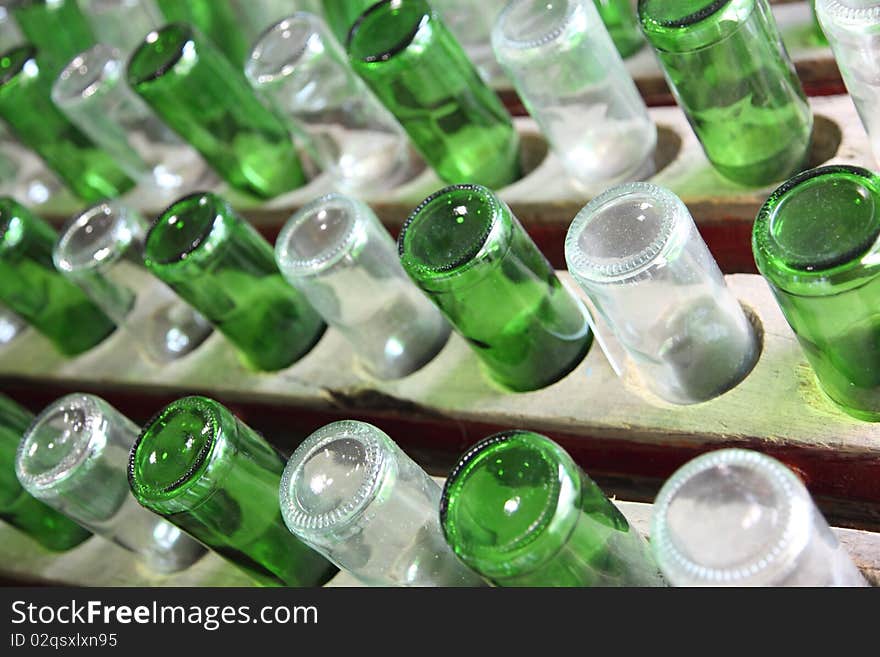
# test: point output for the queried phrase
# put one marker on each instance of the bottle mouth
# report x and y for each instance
(506, 506)
(173, 451)
(62, 442)
(20, 59)
(450, 232)
(194, 226)
(320, 235)
(624, 232)
(386, 29)
(99, 236)
(281, 48)
(160, 52)
(86, 74)
(527, 24)
(858, 14)
(689, 25)
(730, 517)
(819, 230)
(333, 477)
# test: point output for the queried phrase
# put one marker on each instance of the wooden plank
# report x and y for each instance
(100, 563)
(616, 429)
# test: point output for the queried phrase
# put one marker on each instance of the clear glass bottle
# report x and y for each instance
(464, 248)
(216, 261)
(297, 67)
(101, 251)
(73, 458)
(471, 24)
(415, 66)
(735, 517)
(34, 289)
(91, 91)
(208, 473)
(520, 512)
(206, 100)
(816, 241)
(27, 108)
(637, 254)
(730, 73)
(122, 24)
(44, 524)
(853, 29)
(573, 82)
(352, 494)
(337, 253)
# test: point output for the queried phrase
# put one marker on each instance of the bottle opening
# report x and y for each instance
(97, 67)
(679, 13)
(386, 29)
(14, 61)
(60, 442)
(185, 227)
(333, 476)
(731, 516)
(448, 231)
(173, 448)
(319, 235)
(531, 23)
(100, 235)
(160, 52)
(281, 48)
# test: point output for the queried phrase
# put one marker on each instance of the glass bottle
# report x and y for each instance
(413, 64)
(622, 24)
(816, 242)
(730, 73)
(26, 107)
(201, 96)
(853, 28)
(341, 15)
(73, 458)
(122, 24)
(34, 289)
(573, 82)
(216, 20)
(224, 268)
(57, 28)
(819, 33)
(636, 252)
(735, 517)
(215, 478)
(520, 512)
(42, 523)
(337, 253)
(352, 494)
(464, 248)
(300, 71)
(91, 91)
(101, 251)
(471, 25)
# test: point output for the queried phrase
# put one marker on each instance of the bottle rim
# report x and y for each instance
(91, 439)
(502, 38)
(675, 222)
(261, 74)
(74, 85)
(845, 14)
(789, 542)
(376, 445)
(710, 24)
(405, 40)
(179, 34)
(111, 243)
(814, 280)
(19, 56)
(354, 233)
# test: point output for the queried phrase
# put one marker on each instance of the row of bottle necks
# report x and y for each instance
(267, 120)
(515, 510)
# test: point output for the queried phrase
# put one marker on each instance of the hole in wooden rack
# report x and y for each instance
(533, 149)
(668, 148)
(827, 137)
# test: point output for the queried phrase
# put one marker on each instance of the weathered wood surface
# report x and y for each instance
(617, 430)
(100, 563)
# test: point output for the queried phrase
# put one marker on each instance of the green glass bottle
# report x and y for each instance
(45, 525)
(209, 102)
(32, 287)
(56, 27)
(216, 20)
(730, 73)
(206, 472)
(818, 32)
(341, 15)
(622, 24)
(817, 242)
(224, 268)
(26, 107)
(464, 248)
(520, 512)
(418, 70)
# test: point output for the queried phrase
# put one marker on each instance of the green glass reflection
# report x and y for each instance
(622, 24)
(57, 28)
(215, 19)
